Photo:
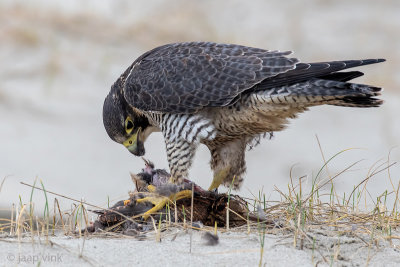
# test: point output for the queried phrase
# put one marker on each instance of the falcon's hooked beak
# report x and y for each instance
(134, 145)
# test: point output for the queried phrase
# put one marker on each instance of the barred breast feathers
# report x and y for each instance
(191, 127)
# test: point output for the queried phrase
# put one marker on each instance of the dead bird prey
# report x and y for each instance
(159, 179)
(208, 208)
(224, 96)
(156, 182)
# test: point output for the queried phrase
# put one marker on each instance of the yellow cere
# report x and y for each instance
(131, 140)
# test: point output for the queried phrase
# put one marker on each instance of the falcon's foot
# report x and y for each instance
(219, 178)
(159, 201)
(149, 188)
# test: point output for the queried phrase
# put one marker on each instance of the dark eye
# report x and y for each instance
(128, 125)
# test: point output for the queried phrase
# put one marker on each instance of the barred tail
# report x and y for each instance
(320, 91)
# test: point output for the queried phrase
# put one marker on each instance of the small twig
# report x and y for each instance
(59, 211)
(176, 212)
(191, 219)
(12, 219)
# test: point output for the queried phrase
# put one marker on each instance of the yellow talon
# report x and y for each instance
(159, 202)
(181, 195)
(219, 177)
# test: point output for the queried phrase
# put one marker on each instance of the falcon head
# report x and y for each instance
(124, 124)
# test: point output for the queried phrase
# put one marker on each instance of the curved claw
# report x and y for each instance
(219, 178)
(159, 202)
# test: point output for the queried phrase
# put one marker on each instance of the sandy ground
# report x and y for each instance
(234, 249)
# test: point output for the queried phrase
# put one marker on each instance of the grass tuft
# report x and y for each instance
(306, 218)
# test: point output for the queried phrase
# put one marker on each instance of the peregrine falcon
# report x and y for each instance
(224, 96)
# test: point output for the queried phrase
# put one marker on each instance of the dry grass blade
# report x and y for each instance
(305, 217)
(78, 201)
(2, 182)
(367, 178)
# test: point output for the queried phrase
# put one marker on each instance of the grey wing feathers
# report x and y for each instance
(185, 77)
(322, 70)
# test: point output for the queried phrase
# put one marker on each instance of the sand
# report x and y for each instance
(234, 249)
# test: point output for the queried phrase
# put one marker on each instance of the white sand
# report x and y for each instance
(234, 249)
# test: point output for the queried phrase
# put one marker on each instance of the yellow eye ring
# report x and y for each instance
(128, 125)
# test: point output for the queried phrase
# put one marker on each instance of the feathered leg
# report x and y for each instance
(228, 163)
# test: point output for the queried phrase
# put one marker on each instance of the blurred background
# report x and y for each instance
(59, 59)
